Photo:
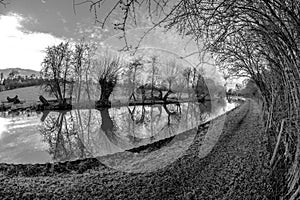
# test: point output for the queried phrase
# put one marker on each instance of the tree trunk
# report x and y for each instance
(106, 90)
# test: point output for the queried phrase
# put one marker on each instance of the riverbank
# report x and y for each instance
(232, 167)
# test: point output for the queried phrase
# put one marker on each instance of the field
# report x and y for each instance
(28, 94)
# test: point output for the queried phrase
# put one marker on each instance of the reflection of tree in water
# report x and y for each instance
(109, 129)
(80, 134)
(202, 110)
(205, 107)
(174, 114)
(146, 123)
(84, 133)
(195, 112)
(137, 116)
(174, 117)
(62, 136)
(99, 132)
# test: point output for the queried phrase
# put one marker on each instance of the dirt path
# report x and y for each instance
(234, 169)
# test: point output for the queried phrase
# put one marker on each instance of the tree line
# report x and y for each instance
(15, 80)
(81, 71)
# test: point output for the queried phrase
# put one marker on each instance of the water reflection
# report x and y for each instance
(3, 125)
(90, 132)
(84, 133)
(62, 137)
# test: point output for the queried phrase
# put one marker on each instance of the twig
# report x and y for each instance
(277, 143)
(3, 2)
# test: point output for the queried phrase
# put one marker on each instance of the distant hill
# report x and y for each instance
(24, 72)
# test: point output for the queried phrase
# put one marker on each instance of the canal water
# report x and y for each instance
(31, 137)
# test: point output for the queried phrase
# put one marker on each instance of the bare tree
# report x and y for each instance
(153, 72)
(1, 78)
(82, 58)
(156, 10)
(170, 71)
(187, 75)
(13, 74)
(134, 66)
(108, 68)
(57, 69)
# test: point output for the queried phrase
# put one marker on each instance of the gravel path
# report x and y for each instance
(234, 169)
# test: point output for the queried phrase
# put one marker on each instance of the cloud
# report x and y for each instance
(43, 1)
(61, 17)
(21, 48)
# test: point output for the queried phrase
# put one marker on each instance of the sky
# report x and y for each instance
(29, 26)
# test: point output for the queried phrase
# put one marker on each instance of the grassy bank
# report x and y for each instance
(28, 94)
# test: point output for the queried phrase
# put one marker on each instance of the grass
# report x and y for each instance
(28, 94)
